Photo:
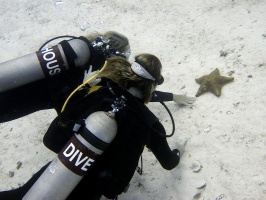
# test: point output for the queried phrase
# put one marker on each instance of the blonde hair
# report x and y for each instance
(118, 70)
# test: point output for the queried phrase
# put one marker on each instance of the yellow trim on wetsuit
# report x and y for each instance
(80, 86)
(94, 88)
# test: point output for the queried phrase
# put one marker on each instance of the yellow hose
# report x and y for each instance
(89, 80)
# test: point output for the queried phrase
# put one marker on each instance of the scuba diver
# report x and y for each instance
(43, 80)
(28, 86)
(125, 89)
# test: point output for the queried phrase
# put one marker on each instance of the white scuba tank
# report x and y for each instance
(75, 159)
(77, 156)
(41, 64)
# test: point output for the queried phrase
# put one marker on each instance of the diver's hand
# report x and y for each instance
(88, 74)
(183, 99)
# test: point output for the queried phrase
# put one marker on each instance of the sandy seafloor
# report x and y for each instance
(226, 135)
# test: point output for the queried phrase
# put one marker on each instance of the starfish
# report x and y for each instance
(212, 83)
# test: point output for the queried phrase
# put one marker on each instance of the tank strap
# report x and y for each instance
(69, 53)
(92, 139)
(90, 47)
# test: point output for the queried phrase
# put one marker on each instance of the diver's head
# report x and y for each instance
(144, 73)
(148, 66)
(119, 44)
(111, 44)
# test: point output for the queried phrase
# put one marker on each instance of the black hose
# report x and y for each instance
(58, 37)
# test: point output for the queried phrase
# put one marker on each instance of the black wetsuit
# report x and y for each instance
(112, 171)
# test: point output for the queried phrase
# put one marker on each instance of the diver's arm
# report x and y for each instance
(158, 145)
(183, 99)
(166, 96)
(24, 100)
(161, 96)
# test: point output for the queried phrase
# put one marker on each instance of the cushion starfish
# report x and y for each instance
(212, 82)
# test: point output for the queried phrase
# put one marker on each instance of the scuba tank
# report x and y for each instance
(44, 63)
(77, 156)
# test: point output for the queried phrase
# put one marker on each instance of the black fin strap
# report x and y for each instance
(69, 53)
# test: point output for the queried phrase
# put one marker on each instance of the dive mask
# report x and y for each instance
(142, 72)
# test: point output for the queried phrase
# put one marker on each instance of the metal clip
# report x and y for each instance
(118, 104)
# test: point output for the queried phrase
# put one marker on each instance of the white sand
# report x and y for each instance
(225, 135)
